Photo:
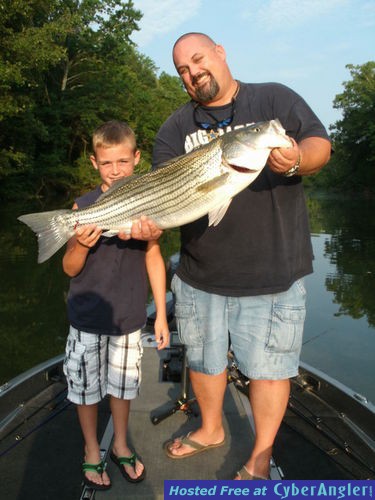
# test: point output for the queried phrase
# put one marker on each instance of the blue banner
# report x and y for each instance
(278, 490)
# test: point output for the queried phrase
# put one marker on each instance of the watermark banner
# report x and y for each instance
(270, 490)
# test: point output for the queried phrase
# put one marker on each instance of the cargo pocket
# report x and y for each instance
(286, 329)
(73, 362)
(188, 330)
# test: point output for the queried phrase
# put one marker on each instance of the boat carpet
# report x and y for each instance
(41, 451)
(148, 439)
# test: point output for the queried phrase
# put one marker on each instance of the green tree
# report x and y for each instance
(65, 67)
(352, 165)
(29, 46)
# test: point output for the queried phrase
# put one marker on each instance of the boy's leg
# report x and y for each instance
(85, 370)
(120, 409)
(88, 418)
(124, 378)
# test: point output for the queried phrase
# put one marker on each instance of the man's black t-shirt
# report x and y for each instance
(262, 245)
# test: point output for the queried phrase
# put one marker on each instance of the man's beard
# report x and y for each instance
(207, 93)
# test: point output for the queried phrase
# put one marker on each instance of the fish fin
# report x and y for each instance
(195, 153)
(116, 185)
(110, 233)
(113, 232)
(214, 183)
(215, 215)
(52, 234)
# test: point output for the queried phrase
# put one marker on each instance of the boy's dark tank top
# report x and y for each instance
(109, 295)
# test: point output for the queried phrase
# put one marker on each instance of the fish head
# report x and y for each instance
(249, 147)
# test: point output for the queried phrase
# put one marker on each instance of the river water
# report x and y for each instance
(339, 334)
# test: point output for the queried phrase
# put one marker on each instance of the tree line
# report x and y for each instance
(352, 165)
(68, 65)
(65, 67)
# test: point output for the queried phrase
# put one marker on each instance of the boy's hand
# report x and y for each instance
(87, 236)
(143, 229)
(161, 334)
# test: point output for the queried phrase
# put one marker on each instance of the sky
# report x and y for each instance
(304, 44)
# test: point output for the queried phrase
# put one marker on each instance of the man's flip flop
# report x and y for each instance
(99, 469)
(197, 447)
(121, 461)
(244, 474)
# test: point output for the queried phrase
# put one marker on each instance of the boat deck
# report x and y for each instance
(43, 446)
(148, 439)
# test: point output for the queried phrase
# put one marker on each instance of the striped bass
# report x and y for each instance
(188, 187)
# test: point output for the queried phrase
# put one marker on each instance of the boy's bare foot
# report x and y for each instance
(129, 464)
(94, 470)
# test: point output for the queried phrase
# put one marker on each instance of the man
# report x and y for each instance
(241, 283)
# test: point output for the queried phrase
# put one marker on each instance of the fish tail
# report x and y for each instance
(51, 230)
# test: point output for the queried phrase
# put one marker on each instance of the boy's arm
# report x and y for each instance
(157, 277)
(78, 248)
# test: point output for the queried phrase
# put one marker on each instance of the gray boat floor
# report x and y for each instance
(41, 448)
(41, 455)
(148, 439)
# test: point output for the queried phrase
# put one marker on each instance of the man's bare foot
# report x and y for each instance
(244, 474)
(193, 443)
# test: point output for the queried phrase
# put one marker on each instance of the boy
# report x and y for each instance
(106, 309)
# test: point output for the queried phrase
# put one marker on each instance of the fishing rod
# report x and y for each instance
(58, 398)
(363, 467)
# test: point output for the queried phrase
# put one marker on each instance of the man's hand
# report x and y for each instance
(313, 153)
(143, 229)
(281, 160)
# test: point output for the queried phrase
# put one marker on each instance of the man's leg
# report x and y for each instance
(266, 335)
(209, 391)
(88, 418)
(202, 323)
(120, 409)
(268, 399)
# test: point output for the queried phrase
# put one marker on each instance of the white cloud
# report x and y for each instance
(289, 13)
(161, 17)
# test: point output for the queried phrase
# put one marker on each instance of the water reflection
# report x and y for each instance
(340, 325)
(32, 297)
(353, 282)
(351, 248)
(340, 329)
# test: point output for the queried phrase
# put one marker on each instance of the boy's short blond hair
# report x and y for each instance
(112, 133)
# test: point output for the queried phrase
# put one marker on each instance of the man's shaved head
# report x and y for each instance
(206, 40)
